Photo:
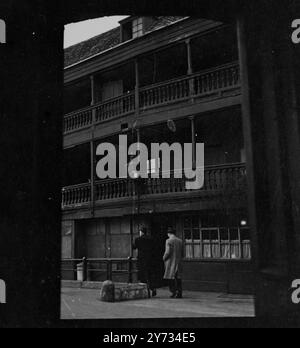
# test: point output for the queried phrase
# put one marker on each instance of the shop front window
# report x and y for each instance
(220, 242)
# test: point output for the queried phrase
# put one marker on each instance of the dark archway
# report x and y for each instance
(31, 144)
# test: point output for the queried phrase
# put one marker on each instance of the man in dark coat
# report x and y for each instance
(173, 260)
(145, 245)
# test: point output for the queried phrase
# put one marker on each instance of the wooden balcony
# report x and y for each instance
(202, 85)
(223, 180)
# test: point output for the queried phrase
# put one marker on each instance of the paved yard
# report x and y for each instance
(84, 304)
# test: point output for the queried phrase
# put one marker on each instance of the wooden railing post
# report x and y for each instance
(137, 88)
(93, 99)
(85, 268)
(109, 269)
(130, 278)
(193, 131)
(190, 68)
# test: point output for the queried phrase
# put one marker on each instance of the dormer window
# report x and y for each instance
(133, 27)
(137, 27)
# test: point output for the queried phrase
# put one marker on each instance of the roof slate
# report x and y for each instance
(108, 40)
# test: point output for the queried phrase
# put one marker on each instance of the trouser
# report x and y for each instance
(150, 286)
(176, 285)
(145, 276)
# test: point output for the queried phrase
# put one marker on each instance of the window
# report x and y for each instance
(2, 31)
(209, 242)
(137, 27)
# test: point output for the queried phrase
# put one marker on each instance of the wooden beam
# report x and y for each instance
(193, 132)
(189, 57)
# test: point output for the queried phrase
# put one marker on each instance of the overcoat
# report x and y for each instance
(146, 270)
(173, 258)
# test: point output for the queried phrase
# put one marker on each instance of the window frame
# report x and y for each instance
(202, 242)
(137, 27)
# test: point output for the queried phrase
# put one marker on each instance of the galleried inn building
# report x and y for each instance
(157, 80)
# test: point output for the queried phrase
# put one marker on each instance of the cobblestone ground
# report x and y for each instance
(85, 304)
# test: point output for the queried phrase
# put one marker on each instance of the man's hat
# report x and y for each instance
(170, 230)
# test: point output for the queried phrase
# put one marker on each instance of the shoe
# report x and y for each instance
(154, 293)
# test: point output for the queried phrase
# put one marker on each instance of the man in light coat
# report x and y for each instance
(173, 259)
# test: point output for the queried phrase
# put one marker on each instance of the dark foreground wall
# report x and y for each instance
(31, 144)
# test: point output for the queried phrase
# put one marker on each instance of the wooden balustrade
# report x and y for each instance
(175, 90)
(201, 84)
(216, 80)
(217, 178)
(226, 178)
(116, 107)
(78, 120)
(76, 195)
(112, 189)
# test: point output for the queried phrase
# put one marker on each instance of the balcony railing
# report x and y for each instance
(115, 108)
(78, 120)
(226, 179)
(77, 194)
(200, 85)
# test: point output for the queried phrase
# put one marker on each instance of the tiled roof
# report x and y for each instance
(105, 41)
(161, 22)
